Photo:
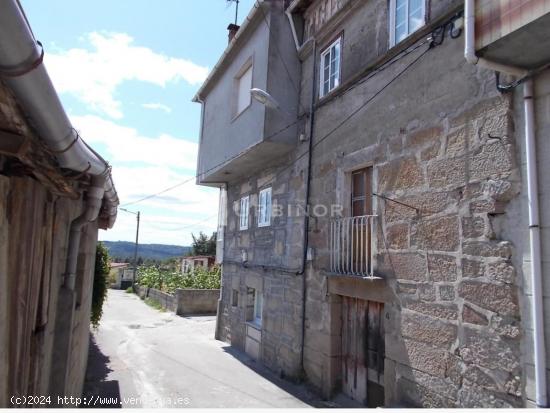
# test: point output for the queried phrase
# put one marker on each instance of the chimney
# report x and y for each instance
(233, 29)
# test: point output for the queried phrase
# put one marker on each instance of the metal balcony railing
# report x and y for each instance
(350, 245)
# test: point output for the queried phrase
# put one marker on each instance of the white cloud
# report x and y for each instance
(168, 219)
(157, 106)
(125, 144)
(144, 165)
(93, 76)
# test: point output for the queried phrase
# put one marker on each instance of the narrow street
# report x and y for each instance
(147, 358)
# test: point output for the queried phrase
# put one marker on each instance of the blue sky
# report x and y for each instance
(126, 72)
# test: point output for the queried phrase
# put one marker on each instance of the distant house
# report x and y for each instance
(122, 275)
(188, 264)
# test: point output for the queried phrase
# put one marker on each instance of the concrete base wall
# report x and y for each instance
(183, 302)
(197, 301)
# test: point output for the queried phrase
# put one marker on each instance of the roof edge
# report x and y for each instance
(252, 16)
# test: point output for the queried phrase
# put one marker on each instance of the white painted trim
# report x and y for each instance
(392, 20)
(326, 51)
(266, 221)
(246, 210)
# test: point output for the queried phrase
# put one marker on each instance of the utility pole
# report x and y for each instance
(136, 250)
(137, 242)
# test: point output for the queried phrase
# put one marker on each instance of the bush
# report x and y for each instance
(130, 290)
(168, 281)
(101, 274)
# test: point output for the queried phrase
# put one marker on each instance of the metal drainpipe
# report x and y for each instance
(94, 196)
(532, 195)
(534, 236)
(306, 218)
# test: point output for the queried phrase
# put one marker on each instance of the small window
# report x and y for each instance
(264, 208)
(406, 16)
(235, 298)
(258, 304)
(330, 68)
(243, 213)
(244, 84)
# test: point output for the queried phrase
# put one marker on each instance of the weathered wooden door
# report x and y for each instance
(363, 351)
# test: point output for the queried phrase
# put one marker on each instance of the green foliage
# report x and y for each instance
(202, 245)
(168, 281)
(101, 274)
(129, 290)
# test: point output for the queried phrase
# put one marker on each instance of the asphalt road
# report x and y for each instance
(141, 357)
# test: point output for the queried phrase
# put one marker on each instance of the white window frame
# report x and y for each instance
(244, 212)
(393, 17)
(328, 51)
(258, 307)
(264, 207)
(248, 66)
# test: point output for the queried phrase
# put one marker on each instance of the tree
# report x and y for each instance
(101, 274)
(202, 245)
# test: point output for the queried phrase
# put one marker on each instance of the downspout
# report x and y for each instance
(23, 71)
(94, 197)
(306, 218)
(470, 48)
(532, 196)
(534, 237)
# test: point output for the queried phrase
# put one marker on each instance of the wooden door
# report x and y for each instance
(363, 351)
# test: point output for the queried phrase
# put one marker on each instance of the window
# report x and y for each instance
(243, 213)
(258, 304)
(264, 208)
(361, 192)
(406, 16)
(235, 298)
(244, 84)
(330, 68)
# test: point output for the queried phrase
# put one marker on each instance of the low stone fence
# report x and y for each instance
(183, 302)
(197, 301)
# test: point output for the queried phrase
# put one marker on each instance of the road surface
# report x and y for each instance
(141, 357)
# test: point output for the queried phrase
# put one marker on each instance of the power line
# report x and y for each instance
(402, 55)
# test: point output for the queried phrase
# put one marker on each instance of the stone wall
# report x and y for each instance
(196, 301)
(459, 315)
(441, 140)
(274, 261)
(184, 301)
(166, 301)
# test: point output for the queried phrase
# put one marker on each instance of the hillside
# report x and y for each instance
(124, 250)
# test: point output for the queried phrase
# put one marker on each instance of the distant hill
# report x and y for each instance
(122, 250)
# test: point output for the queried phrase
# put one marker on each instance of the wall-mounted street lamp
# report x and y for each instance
(264, 98)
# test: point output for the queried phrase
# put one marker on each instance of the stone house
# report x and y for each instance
(55, 193)
(195, 261)
(409, 281)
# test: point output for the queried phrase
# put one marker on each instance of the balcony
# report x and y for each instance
(351, 245)
(239, 135)
(504, 28)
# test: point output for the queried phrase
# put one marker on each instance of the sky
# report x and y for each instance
(126, 72)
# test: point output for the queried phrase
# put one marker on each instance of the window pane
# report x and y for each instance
(416, 20)
(415, 5)
(358, 184)
(400, 32)
(400, 12)
(358, 208)
(243, 92)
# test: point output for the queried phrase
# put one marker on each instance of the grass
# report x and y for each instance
(154, 303)
(129, 290)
